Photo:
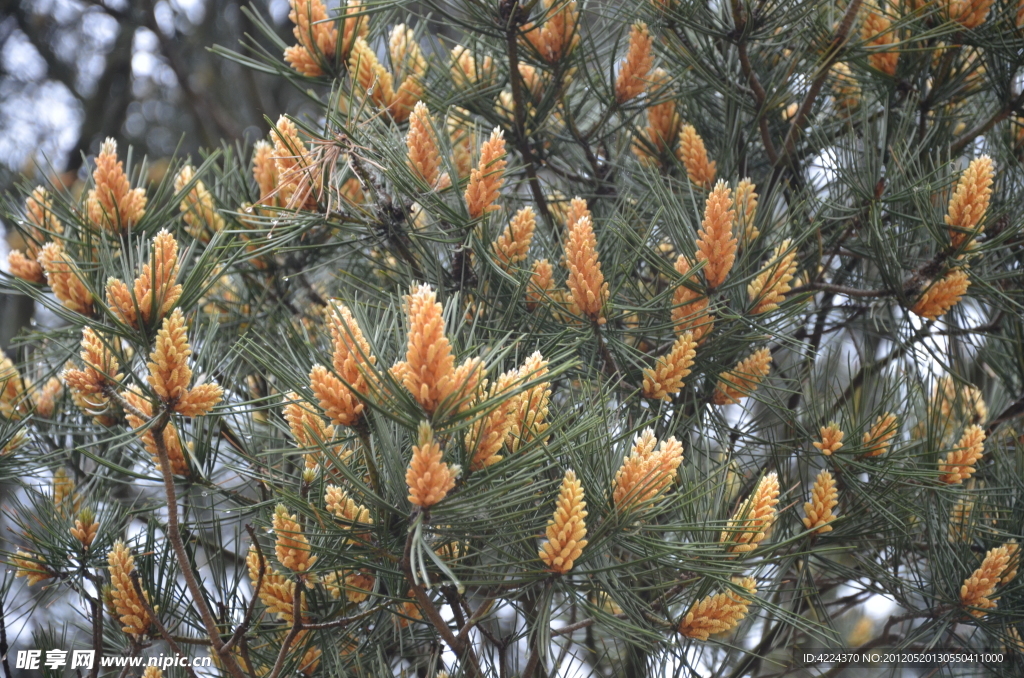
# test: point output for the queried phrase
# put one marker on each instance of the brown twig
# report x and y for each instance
(460, 647)
(757, 90)
(343, 621)
(292, 633)
(835, 49)
(247, 619)
(155, 620)
(841, 289)
(178, 546)
(997, 117)
(513, 19)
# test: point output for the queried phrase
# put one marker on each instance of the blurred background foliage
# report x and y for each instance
(74, 73)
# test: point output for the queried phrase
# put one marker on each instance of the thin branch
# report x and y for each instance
(513, 20)
(835, 49)
(841, 289)
(292, 633)
(174, 536)
(997, 117)
(344, 621)
(155, 619)
(97, 634)
(757, 90)
(460, 648)
(133, 651)
(1012, 411)
(247, 619)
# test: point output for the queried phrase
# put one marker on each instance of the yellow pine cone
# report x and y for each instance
(113, 204)
(12, 445)
(646, 472)
(567, 528)
(317, 35)
(952, 401)
(99, 367)
(824, 497)
(746, 210)
(942, 295)
(586, 282)
(406, 56)
(40, 222)
(264, 171)
(742, 380)
(172, 444)
(514, 242)
(665, 379)
(967, 13)
(694, 156)
(378, 83)
(155, 292)
(292, 547)
(170, 375)
(423, 155)
(689, 307)
(486, 437)
(977, 591)
(39, 213)
(879, 437)
(831, 439)
(130, 611)
(754, 518)
(771, 285)
(277, 592)
(24, 268)
(969, 202)
(85, 528)
(429, 479)
(32, 566)
(12, 392)
(463, 138)
(876, 30)
(718, 613)
(336, 399)
(65, 279)
(63, 489)
(197, 206)
(428, 371)
(44, 399)
(467, 71)
(558, 35)
(296, 177)
(409, 611)
(353, 515)
(307, 427)
(632, 78)
(716, 243)
(542, 284)
(663, 122)
(959, 463)
(351, 357)
(529, 420)
(960, 520)
(1010, 573)
(486, 180)
(356, 586)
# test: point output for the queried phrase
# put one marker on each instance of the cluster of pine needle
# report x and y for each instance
(646, 339)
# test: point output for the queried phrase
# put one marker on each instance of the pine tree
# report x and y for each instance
(655, 337)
